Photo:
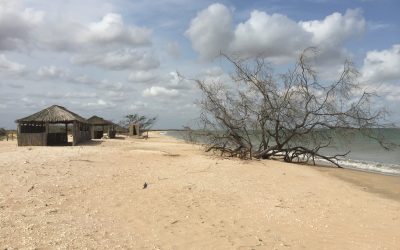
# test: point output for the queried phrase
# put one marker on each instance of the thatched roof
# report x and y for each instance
(95, 120)
(53, 114)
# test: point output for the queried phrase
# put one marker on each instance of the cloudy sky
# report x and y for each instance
(113, 58)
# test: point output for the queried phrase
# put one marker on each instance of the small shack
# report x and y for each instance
(49, 127)
(134, 129)
(99, 126)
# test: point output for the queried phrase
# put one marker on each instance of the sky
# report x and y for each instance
(120, 57)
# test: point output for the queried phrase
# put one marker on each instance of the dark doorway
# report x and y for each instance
(98, 134)
(57, 135)
(57, 139)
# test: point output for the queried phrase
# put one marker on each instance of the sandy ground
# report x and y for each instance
(92, 196)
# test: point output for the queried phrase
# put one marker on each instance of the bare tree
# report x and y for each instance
(145, 123)
(292, 116)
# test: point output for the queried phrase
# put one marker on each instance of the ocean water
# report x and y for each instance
(365, 153)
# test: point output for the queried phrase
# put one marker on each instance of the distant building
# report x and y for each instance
(134, 129)
(99, 126)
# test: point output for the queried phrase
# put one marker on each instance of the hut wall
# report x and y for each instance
(98, 134)
(32, 139)
(92, 131)
(111, 132)
(97, 131)
(134, 130)
(84, 136)
(80, 133)
(57, 139)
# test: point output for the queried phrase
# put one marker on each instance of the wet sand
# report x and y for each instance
(92, 196)
(384, 185)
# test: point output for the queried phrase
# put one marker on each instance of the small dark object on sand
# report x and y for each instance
(145, 185)
(30, 189)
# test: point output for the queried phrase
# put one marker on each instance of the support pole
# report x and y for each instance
(46, 134)
(74, 134)
(18, 134)
(66, 131)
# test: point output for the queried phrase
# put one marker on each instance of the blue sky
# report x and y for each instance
(112, 58)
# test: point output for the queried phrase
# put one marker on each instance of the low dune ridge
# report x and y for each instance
(163, 193)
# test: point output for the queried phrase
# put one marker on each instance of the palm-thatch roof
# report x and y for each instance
(95, 120)
(53, 114)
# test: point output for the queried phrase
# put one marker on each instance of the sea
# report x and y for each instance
(365, 153)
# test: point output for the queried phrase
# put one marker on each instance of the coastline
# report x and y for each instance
(377, 183)
(92, 196)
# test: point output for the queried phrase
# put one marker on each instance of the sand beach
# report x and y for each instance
(91, 196)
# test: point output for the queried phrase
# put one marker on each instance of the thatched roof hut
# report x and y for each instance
(95, 120)
(99, 125)
(33, 130)
(53, 114)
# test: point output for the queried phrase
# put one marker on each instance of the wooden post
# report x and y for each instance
(47, 133)
(74, 139)
(18, 133)
(66, 132)
(92, 131)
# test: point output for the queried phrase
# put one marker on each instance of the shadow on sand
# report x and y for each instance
(119, 138)
(93, 142)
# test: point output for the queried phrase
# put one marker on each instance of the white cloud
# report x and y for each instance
(211, 31)
(120, 60)
(100, 103)
(80, 95)
(160, 91)
(382, 66)
(142, 76)
(138, 105)
(380, 72)
(16, 24)
(52, 72)
(29, 28)
(214, 72)
(111, 86)
(10, 67)
(79, 36)
(214, 75)
(83, 79)
(112, 30)
(175, 81)
(273, 36)
(336, 28)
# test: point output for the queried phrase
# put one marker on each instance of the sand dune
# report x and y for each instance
(92, 196)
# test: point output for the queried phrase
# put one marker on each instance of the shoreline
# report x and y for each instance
(384, 184)
(377, 183)
(321, 164)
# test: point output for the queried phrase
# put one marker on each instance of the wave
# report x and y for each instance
(367, 166)
(376, 167)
